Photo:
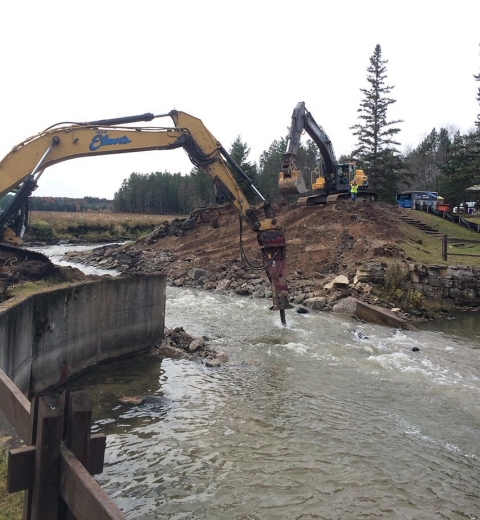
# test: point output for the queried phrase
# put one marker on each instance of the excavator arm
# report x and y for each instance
(331, 180)
(290, 178)
(23, 166)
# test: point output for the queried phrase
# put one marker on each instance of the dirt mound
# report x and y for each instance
(322, 242)
(19, 265)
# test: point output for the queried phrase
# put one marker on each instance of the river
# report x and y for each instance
(312, 420)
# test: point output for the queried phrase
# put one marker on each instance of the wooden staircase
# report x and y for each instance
(420, 225)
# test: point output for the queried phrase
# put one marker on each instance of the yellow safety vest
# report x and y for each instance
(354, 188)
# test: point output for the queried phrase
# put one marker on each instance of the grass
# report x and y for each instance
(92, 226)
(11, 504)
(423, 248)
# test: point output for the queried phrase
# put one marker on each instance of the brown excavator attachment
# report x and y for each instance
(291, 183)
(272, 244)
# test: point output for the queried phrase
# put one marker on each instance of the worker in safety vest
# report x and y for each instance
(353, 190)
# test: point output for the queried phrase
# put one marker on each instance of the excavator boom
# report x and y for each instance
(21, 168)
(330, 181)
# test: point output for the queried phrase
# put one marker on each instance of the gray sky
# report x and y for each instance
(240, 67)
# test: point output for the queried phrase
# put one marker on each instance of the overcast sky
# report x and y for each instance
(241, 67)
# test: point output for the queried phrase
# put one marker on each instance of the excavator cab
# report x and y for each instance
(15, 226)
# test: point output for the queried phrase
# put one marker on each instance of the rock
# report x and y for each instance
(223, 285)
(370, 272)
(169, 351)
(357, 335)
(213, 363)
(346, 306)
(196, 273)
(222, 357)
(131, 399)
(152, 400)
(302, 310)
(196, 344)
(317, 304)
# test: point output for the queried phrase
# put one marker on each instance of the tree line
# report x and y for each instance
(70, 204)
(446, 161)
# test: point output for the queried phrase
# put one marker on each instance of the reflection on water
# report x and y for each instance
(465, 325)
(309, 421)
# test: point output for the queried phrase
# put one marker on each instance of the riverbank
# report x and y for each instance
(91, 227)
(363, 250)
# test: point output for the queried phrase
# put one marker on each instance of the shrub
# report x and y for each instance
(41, 230)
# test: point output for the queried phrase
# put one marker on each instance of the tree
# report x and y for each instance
(424, 163)
(270, 164)
(463, 162)
(477, 78)
(462, 166)
(377, 150)
(239, 152)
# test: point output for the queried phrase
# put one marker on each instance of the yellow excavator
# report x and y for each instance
(330, 180)
(21, 169)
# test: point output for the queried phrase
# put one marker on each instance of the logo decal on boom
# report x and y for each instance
(104, 140)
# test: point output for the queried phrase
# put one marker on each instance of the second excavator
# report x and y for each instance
(21, 168)
(330, 180)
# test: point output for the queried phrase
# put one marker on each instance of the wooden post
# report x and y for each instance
(47, 458)
(15, 406)
(46, 468)
(444, 247)
(76, 433)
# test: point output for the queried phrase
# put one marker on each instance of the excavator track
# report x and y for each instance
(312, 200)
(316, 200)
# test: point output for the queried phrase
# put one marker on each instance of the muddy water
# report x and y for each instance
(307, 421)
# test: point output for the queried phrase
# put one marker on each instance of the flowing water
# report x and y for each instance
(325, 418)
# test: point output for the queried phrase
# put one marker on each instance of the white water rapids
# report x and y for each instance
(304, 421)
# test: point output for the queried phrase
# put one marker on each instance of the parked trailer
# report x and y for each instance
(416, 199)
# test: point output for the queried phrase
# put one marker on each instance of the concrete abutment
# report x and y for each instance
(74, 327)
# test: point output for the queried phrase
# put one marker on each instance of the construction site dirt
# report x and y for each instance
(325, 244)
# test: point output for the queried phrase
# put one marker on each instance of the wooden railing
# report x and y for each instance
(60, 455)
(446, 240)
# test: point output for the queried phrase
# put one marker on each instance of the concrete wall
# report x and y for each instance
(79, 325)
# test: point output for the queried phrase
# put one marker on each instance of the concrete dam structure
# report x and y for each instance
(49, 334)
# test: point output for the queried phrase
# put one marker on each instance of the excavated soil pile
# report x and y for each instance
(19, 265)
(204, 251)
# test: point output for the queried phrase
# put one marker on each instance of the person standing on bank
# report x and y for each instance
(353, 190)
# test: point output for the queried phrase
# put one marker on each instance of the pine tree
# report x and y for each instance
(377, 150)
(463, 161)
(239, 152)
(477, 78)
(270, 164)
(424, 163)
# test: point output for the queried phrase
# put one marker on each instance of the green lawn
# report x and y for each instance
(423, 248)
(11, 505)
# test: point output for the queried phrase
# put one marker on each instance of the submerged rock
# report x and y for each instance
(179, 345)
